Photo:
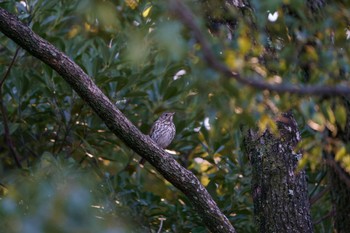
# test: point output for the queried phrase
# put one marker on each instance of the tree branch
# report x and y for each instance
(343, 175)
(181, 178)
(8, 139)
(184, 14)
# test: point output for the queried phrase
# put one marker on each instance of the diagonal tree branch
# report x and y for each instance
(184, 14)
(181, 178)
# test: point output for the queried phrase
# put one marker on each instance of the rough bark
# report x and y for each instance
(281, 202)
(181, 178)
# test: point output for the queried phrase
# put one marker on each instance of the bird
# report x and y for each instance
(162, 132)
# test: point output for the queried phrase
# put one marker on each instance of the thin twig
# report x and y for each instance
(9, 68)
(184, 14)
(329, 214)
(343, 175)
(319, 182)
(8, 139)
(319, 195)
(161, 225)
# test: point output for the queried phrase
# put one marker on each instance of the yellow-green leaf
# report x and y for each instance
(340, 115)
(146, 12)
(340, 154)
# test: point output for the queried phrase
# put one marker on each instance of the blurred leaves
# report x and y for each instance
(56, 197)
(134, 51)
(168, 38)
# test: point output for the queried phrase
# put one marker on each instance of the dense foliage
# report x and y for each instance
(76, 176)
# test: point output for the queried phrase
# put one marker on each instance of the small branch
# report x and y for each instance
(7, 73)
(8, 139)
(319, 181)
(184, 14)
(329, 214)
(343, 175)
(161, 225)
(319, 195)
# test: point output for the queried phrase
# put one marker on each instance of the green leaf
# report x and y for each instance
(340, 115)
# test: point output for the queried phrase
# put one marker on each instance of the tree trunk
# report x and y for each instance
(281, 202)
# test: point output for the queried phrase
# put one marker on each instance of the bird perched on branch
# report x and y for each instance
(162, 131)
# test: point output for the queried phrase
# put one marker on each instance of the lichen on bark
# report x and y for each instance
(279, 190)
